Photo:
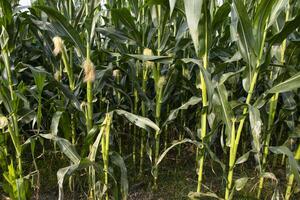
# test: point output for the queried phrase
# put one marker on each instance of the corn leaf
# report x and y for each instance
(62, 24)
(139, 121)
(288, 85)
(193, 13)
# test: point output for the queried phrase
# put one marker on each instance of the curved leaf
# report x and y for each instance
(64, 25)
(140, 121)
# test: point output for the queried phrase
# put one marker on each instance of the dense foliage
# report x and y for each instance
(108, 88)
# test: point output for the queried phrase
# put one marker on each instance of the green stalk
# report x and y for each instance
(8, 71)
(277, 144)
(89, 93)
(135, 111)
(117, 75)
(157, 134)
(166, 131)
(203, 123)
(39, 111)
(142, 149)
(248, 99)
(288, 191)
(231, 162)
(14, 132)
(68, 69)
(159, 91)
(105, 149)
(272, 112)
(204, 104)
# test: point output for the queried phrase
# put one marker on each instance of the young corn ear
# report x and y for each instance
(3, 122)
(148, 52)
(89, 71)
(58, 45)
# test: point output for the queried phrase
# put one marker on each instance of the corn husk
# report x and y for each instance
(58, 45)
(89, 71)
(3, 122)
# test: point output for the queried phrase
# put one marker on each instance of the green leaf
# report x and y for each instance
(206, 74)
(293, 163)
(243, 158)
(227, 113)
(221, 14)
(63, 173)
(4, 38)
(94, 147)
(262, 14)
(279, 6)
(159, 59)
(117, 160)
(139, 121)
(227, 75)
(287, 29)
(288, 85)
(172, 6)
(174, 144)
(63, 24)
(204, 31)
(6, 13)
(270, 175)
(240, 183)
(123, 15)
(200, 195)
(39, 75)
(256, 125)
(116, 35)
(193, 13)
(241, 32)
(55, 122)
(173, 114)
(65, 147)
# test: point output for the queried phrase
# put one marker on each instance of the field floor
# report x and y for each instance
(177, 179)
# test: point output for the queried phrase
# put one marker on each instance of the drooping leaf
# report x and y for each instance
(199, 195)
(173, 114)
(206, 75)
(123, 15)
(256, 125)
(68, 30)
(119, 161)
(220, 15)
(63, 173)
(140, 121)
(227, 75)
(39, 76)
(172, 6)
(288, 85)
(243, 158)
(261, 17)
(227, 113)
(287, 29)
(193, 9)
(241, 32)
(240, 183)
(279, 6)
(292, 162)
(159, 59)
(65, 147)
(174, 144)
(55, 122)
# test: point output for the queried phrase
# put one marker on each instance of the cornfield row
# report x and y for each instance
(111, 89)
